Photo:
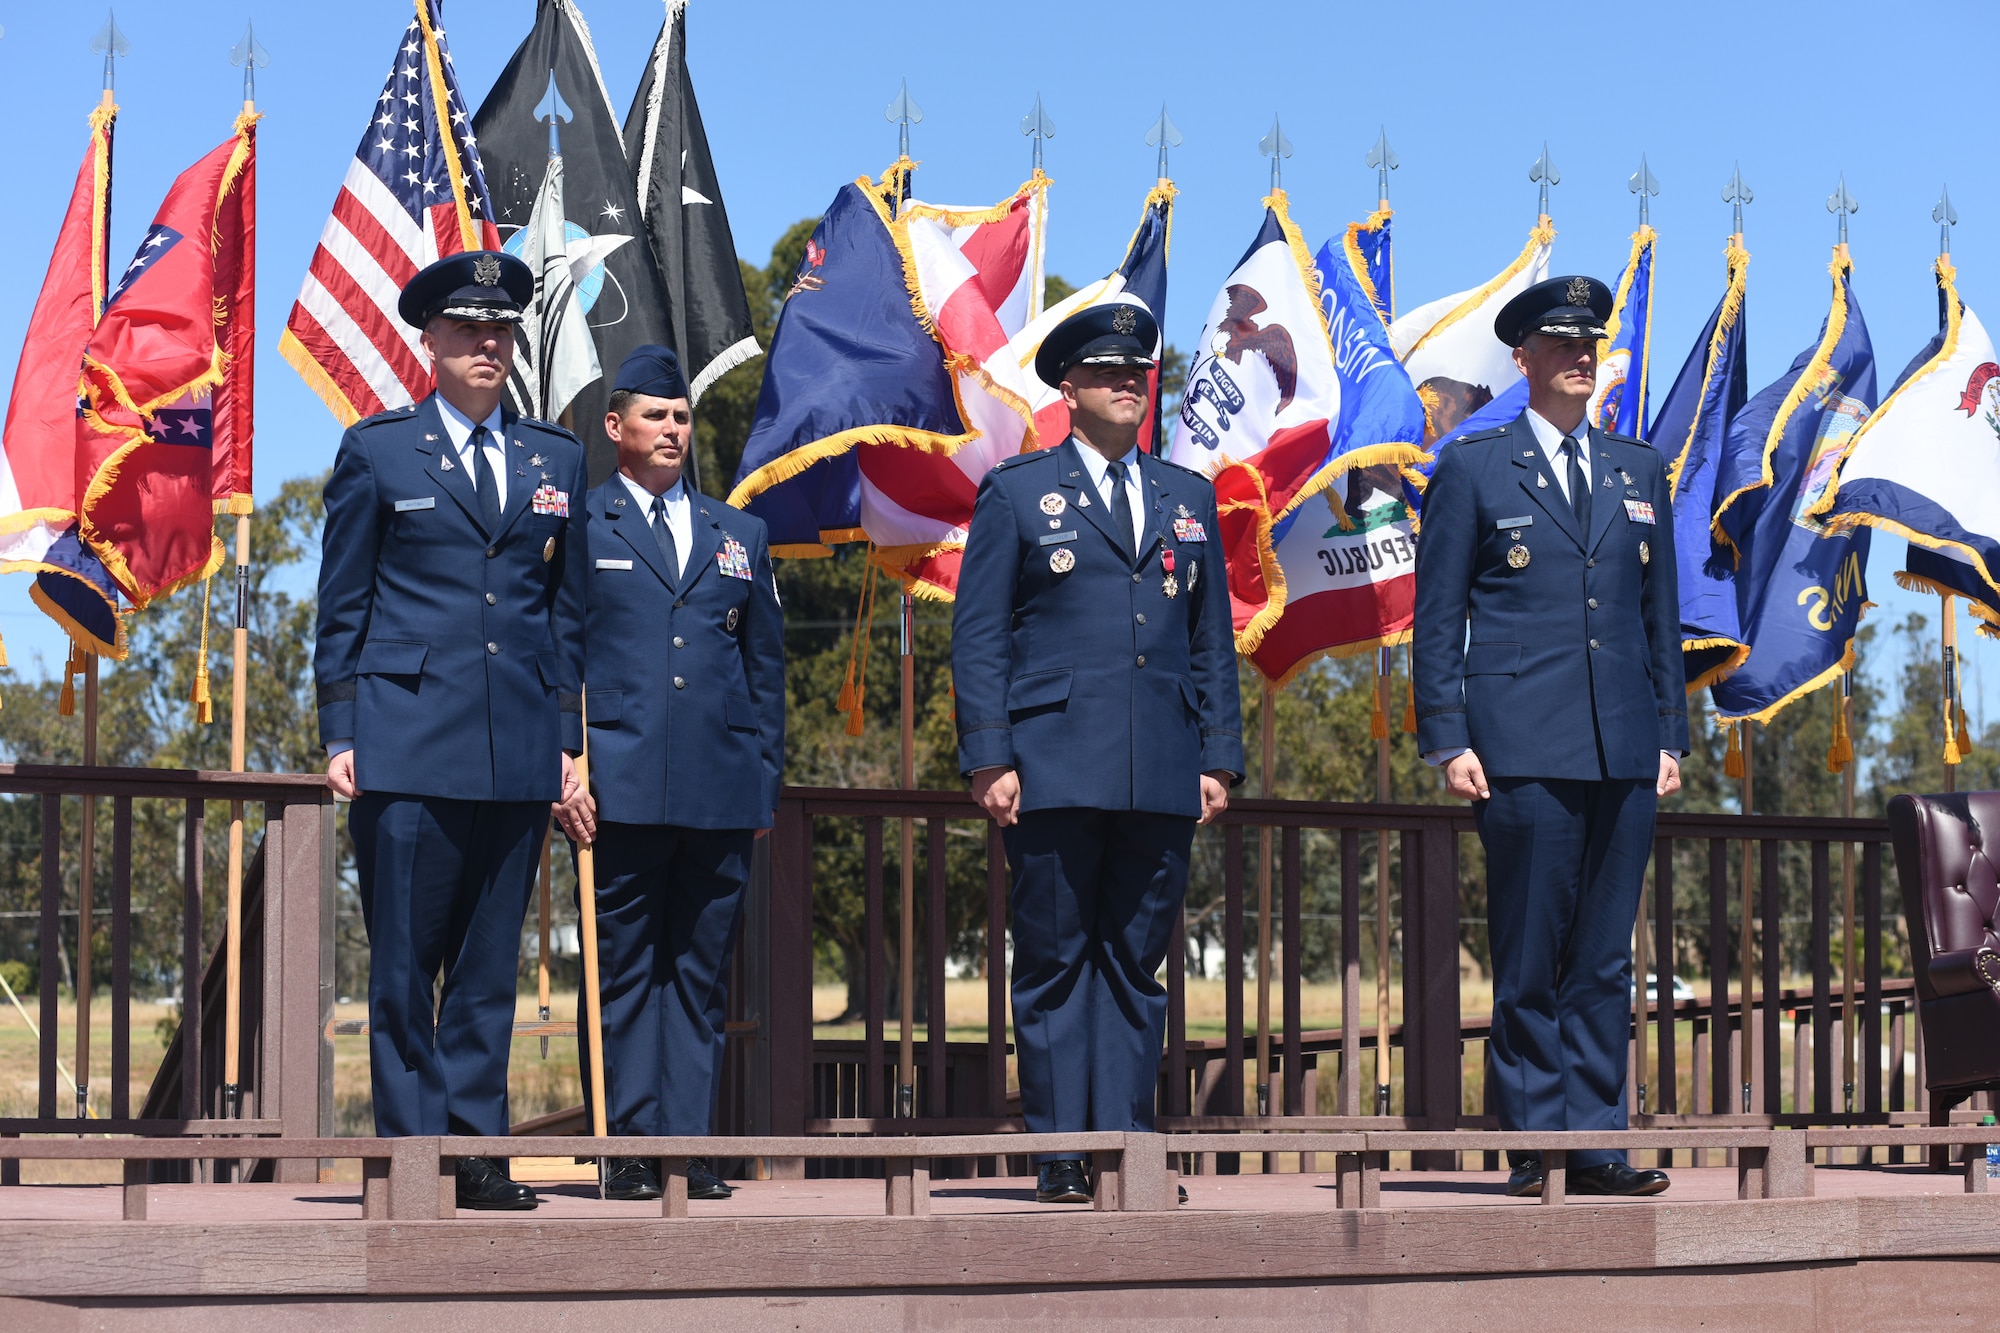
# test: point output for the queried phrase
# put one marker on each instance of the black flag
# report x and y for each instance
(625, 303)
(681, 203)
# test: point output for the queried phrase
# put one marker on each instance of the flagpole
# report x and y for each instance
(1748, 940)
(1847, 1034)
(1642, 184)
(250, 55)
(542, 961)
(1949, 637)
(903, 113)
(1267, 729)
(1383, 158)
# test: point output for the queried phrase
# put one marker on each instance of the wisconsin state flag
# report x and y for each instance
(160, 395)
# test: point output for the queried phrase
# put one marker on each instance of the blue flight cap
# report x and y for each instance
(1119, 332)
(1573, 307)
(654, 370)
(486, 285)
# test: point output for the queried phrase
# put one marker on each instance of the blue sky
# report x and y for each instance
(793, 94)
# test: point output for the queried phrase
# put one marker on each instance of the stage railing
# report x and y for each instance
(847, 1086)
(286, 957)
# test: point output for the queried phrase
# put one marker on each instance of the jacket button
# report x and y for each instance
(1590, 564)
(679, 642)
(1593, 645)
(1135, 578)
(491, 600)
(1142, 659)
(1593, 603)
(1142, 617)
(679, 683)
(493, 650)
(491, 552)
(681, 603)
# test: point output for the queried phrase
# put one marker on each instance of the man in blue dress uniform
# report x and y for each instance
(1562, 716)
(1099, 721)
(687, 748)
(449, 665)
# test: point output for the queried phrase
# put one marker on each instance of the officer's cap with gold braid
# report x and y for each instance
(1573, 307)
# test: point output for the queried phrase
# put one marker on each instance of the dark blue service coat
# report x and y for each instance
(451, 657)
(1099, 689)
(687, 671)
(1575, 645)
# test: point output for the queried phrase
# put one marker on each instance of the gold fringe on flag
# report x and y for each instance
(204, 709)
(1732, 759)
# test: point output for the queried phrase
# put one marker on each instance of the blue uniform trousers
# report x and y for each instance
(444, 887)
(1565, 861)
(1094, 898)
(669, 908)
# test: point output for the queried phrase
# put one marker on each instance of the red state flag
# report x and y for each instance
(154, 376)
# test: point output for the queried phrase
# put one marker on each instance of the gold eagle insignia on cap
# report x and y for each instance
(1579, 291)
(486, 271)
(1124, 321)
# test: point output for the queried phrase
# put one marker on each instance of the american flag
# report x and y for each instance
(414, 193)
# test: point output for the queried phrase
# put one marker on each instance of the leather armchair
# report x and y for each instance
(1951, 896)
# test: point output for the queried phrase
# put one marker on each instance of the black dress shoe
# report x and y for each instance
(1525, 1181)
(632, 1178)
(1062, 1182)
(483, 1186)
(1616, 1178)
(704, 1183)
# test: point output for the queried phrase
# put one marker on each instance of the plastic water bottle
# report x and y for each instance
(1992, 1155)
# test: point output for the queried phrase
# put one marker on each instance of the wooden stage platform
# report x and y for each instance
(1889, 1247)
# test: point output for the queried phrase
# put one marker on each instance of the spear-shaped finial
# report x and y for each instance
(1840, 203)
(1276, 147)
(1163, 136)
(1037, 126)
(1544, 174)
(1643, 185)
(554, 110)
(904, 113)
(251, 55)
(1383, 158)
(1946, 217)
(1737, 194)
(109, 43)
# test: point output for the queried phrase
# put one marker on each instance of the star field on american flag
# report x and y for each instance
(397, 211)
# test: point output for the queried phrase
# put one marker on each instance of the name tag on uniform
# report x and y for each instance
(1189, 530)
(1638, 511)
(1525, 520)
(548, 500)
(733, 561)
(614, 564)
(1058, 538)
(427, 502)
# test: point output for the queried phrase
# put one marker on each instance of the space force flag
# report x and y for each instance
(153, 406)
(1801, 589)
(1618, 404)
(1262, 413)
(1927, 465)
(1689, 432)
(38, 476)
(1349, 568)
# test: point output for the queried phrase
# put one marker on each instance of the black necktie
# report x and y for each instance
(1121, 507)
(664, 535)
(483, 482)
(1579, 485)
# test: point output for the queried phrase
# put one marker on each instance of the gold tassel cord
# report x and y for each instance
(72, 668)
(204, 709)
(864, 623)
(1840, 750)
(1409, 692)
(1732, 759)
(1378, 724)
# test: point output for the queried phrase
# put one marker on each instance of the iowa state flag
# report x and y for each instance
(160, 408)
(1800, 588)
(1262, 413)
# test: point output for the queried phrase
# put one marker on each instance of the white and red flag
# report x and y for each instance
(1262, 412)
(414, 193)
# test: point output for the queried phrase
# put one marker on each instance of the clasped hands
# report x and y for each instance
(1465, 776)
(998, 790)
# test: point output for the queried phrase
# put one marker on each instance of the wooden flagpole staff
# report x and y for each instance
(593, 1000)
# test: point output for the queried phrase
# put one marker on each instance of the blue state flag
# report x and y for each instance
(849, 366)
(1369, 256)
(1618, 404)
(1801, 589)
(1690, 430)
